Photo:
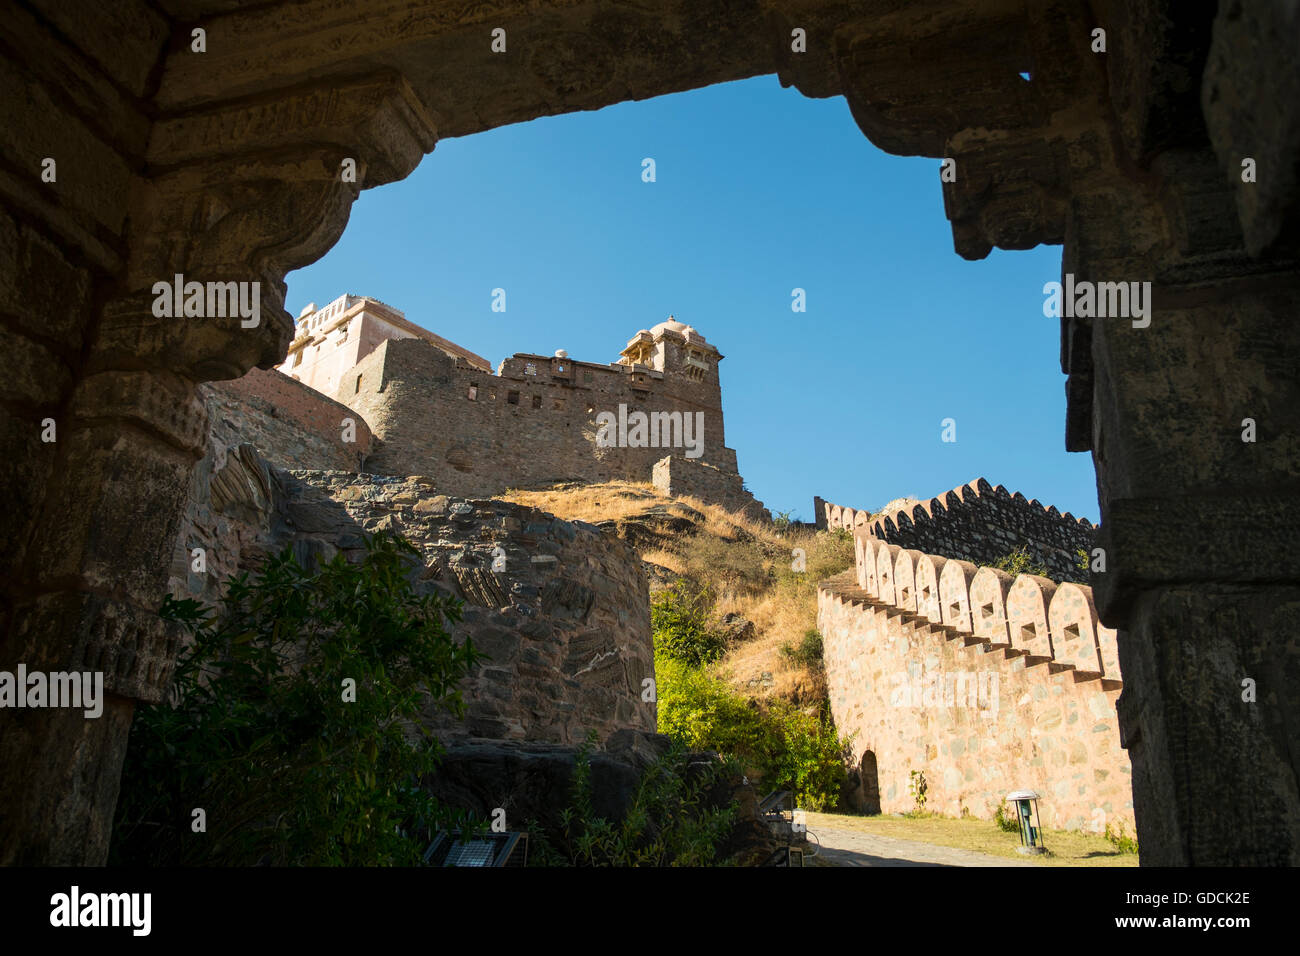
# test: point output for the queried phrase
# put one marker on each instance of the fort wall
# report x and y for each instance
(533, 424)
(292, 425)
(982, 682)
(976, 522)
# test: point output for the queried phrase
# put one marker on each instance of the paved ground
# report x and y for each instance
(855, 848)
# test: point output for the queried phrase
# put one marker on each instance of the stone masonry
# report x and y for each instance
(561, 608)
(1167, 157)
(983, 683)
(977, 522)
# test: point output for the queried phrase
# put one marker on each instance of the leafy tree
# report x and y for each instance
(293, 720)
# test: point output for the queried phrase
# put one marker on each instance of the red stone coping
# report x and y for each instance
(1026, 615)
(298, 403)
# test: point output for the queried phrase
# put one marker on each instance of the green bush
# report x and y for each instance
(1020, 561)
(680, 619)
(808, 652)
(668, 823)
(918, 786)
(773, 739)
(262, 736)
(1006, 819)
(1119, 839)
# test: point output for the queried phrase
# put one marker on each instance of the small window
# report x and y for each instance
(512, 398)
(530, 369)
(537, 401)
(473, 393)
(358, 388)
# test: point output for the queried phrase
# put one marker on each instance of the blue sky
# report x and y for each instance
(759, 190)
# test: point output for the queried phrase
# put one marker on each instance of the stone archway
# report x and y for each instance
(226, 164)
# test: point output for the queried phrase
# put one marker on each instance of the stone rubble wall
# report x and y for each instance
(566, 620)
(977, 522)
(984, 682)
(678, 477)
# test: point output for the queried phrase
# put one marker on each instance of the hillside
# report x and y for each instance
(746, 568)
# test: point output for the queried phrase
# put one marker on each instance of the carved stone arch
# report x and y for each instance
(1133, 161)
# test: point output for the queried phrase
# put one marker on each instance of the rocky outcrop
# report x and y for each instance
(560, 609)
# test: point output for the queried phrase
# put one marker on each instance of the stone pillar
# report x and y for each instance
(1132, 156)
(241, 195)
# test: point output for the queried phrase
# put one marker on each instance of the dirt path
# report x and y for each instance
(842, 847)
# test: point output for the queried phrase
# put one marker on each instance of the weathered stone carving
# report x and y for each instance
(1114, 153)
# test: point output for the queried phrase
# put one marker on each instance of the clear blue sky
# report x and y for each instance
(759, 190)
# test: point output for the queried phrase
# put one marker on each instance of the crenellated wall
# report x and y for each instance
(977, 522)
(983, 682)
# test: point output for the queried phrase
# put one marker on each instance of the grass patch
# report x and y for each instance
(1065, 847)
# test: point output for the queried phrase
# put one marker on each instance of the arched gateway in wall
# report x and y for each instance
(228, 165)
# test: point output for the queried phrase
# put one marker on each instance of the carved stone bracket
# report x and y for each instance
(135, 650)
(245, 192)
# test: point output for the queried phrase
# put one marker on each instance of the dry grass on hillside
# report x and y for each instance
(747, 564)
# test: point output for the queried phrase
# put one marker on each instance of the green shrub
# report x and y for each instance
(772, 739)
(918, 786)
(1020, 561)
(680, 619)
(808, 652)
(668, 822)
(1006, 819)
(1119, 839)
(262, 736)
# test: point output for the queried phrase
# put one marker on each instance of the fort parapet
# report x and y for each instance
(983, 682)
(976, 522)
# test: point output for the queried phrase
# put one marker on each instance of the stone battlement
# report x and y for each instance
(982, 681)
(976, 521)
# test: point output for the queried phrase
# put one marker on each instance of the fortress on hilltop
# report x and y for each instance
(423, 405)
(983, 681)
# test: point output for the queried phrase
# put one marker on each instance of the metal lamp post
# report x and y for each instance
(1031, 836)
